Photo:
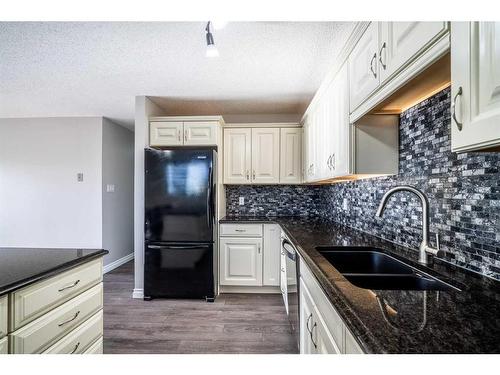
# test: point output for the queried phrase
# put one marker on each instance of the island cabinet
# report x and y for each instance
(322, 330)
(249, 256)
(475, 88)
(60, 314)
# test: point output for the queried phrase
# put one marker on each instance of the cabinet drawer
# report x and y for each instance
(96, 348)
(29, 303)
(41, 333)
(4, 345)
(241, 230)
(3, 316)
(81, 338)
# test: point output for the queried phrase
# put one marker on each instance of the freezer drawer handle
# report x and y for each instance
(178, 247)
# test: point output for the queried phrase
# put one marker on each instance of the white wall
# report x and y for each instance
(117, 206)
(144, 108)
(41, 202)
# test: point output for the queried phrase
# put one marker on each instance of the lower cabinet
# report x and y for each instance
(322, 330)
(315, 338)
(4, 345)
(249, 255)
(95, 348)
(241, 261)
(3, 316)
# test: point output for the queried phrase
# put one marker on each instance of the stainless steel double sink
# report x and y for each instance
(371, 268)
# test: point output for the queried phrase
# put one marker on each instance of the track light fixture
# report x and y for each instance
(211, 48)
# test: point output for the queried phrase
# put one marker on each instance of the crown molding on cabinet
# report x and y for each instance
(264, 125)
(219, 119)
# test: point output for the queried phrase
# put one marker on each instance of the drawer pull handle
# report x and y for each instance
(312, 339)
(240, 230)
(307, 323)
(75, 349)
(70, 286)
(70, 320)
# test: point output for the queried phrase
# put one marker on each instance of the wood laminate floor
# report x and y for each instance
(234, 323)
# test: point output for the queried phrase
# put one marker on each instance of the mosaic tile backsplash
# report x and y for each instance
(272, 200)
(463, 191)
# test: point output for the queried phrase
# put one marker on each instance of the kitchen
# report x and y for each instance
(363, 221)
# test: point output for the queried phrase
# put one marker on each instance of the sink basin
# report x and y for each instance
(370, 268)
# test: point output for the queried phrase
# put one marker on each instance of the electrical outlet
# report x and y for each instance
(110, 188)
(242, 201)
(79, 177)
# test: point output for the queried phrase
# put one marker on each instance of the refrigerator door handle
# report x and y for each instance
(209, 198)
(175, 247)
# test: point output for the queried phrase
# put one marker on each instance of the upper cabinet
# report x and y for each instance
(363, 66)
(267, 155)
(388, 55)
(399, 42)
(171, 131)
(237, 156)
(166, 133)
(290, 155)
(475, 90)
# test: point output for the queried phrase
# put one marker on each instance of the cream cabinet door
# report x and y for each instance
(339, 159)
(311, 149)
(237, 156)
(290, 155)
(363, 66)
(322, 340)
(241, 261)
(200, 133)
(306, 150)
(3, 316)
(306, 307)
(96, 348)
(475, 89)
(401, 41)
(165, 133)
(271, 255)
(265, 155)
(4, 345)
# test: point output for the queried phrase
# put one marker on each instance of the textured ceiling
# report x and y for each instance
(96, 69)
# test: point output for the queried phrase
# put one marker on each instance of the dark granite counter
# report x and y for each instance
(399, 321)
(22, 266)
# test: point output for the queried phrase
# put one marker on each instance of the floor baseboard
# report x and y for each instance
(117, 263)
(138, 293)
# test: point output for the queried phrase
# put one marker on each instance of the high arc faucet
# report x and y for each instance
(424, 249)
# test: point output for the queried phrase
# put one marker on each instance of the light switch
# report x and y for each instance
(110, 188)
(79, 177)
(242, 201)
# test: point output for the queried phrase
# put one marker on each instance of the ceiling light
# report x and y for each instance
(219, 25)
(211, 48)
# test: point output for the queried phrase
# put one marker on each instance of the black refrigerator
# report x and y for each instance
(180, 212)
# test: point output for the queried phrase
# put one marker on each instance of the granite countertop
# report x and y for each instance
(465, 321)
(23, 266)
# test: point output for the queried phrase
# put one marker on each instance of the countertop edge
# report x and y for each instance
(51, 272)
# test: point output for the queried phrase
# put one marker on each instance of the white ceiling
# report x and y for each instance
(96, 69)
